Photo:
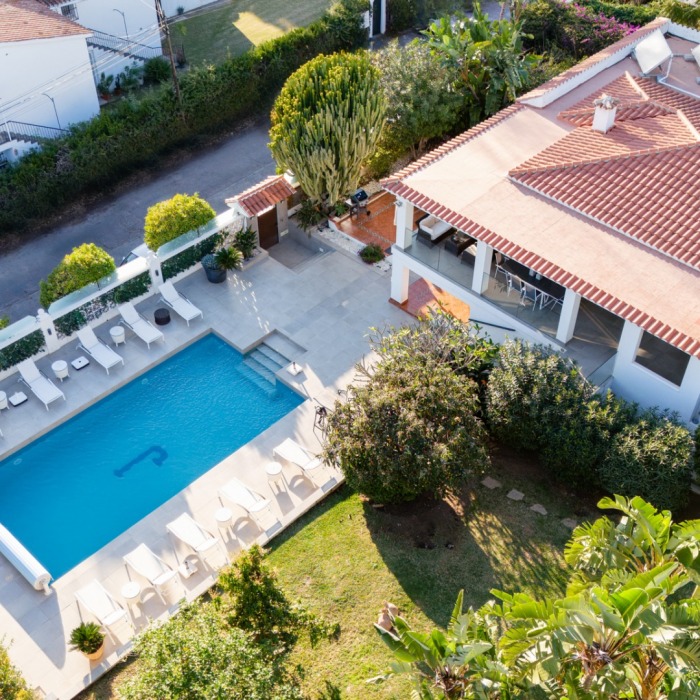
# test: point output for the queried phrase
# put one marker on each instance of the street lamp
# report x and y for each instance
(126, 31)
(55, 111)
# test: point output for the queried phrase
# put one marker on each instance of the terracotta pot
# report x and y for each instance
(96, 654)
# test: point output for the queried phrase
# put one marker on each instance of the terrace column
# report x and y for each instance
(404, 224)
(628, 345)
(482, 266)
(690, 387)
(49, 331)
(569, 314)
(399, 281)
(154, 270)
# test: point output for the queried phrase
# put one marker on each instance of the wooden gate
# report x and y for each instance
(267, 229)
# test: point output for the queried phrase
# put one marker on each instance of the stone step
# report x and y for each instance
(264, 360)
(284, 346)
(277, 357)
(259, 375)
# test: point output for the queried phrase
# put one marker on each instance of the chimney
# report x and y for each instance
(605, 111)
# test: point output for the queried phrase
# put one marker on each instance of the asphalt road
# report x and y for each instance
(116, 224)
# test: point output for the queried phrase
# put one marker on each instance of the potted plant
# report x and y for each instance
(88, 638)
(216, 265)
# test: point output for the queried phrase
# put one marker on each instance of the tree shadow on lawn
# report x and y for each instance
(476, 540)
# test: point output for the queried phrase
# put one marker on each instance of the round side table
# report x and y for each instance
(118, 334)
(223, 518)
(131, 592)
(60, 369)
(274, 472)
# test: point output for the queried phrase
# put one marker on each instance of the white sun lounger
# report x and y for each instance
(148, 564)
(144, 329)
(293, 452)
(96, 599)
(257, 507)
(189, 531)
(41, 386)
(101, 353)
(179, 303)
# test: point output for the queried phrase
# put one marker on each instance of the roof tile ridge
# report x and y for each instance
(453, 144)
(689, 125)
(636, 86)
(520, 170)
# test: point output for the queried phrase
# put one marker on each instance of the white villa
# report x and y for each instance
(576, 213)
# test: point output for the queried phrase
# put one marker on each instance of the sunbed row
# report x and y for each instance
(47, 392)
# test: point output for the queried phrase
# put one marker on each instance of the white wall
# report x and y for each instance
(59, 67)
(139, 15)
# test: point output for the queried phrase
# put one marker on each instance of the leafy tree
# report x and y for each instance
(529, 390)
(196, 655)
(12, 685)
(85, 264)
(174, 217)
(326, 121)
(422, 102)
(489, 56)
(630, 632)
(651, 457)
(410, 424)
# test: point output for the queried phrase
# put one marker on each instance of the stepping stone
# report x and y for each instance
(539, 509)
(490, 483)
(515, 495)
(570, 523)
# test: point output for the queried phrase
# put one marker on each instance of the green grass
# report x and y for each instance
(238, 25)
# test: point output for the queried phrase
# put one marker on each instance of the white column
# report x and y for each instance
(403, 218)
(399, 281)
(482, 265)
(690, 388)
(154, 270)
(49, 331)
(569, 314)
(382, 24)
(628, 345)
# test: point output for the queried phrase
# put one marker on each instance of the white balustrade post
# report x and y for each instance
(482, 266)
(154, 270)
(569, 314)
(49, 330)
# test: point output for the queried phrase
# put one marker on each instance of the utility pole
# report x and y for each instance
(163, 23)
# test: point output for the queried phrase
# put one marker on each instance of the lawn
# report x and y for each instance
(235, 26)
(345, 558)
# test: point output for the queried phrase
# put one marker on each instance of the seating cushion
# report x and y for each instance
(434, 227)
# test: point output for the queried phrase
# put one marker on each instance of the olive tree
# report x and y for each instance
(175, 216)
(326, 122)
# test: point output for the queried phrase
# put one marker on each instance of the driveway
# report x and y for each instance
(117, 223)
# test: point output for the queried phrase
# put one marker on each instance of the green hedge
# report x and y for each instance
(632, 14)
(187, 258)
(74, 320)
(410, 14)
(21, 349)
(139, 130)
(174, 217)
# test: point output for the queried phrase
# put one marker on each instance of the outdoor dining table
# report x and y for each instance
(550, 290)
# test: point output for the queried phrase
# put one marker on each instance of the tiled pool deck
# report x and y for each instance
(325, 306)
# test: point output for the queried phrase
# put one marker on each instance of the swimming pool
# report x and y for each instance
(67, 494)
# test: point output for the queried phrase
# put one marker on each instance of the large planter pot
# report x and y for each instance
(215, 275)
(96, 654)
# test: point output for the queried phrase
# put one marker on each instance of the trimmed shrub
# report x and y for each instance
(627, 12)
(401, 15)
(409, 427)
(529, 390)
(651, 458)
(4, 322)
(174, 217)
(156, 70)
(372, 254)
(85, 264)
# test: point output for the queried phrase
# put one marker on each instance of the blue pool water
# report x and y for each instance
(76, 488)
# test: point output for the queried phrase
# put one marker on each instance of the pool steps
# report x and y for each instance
(263, 362)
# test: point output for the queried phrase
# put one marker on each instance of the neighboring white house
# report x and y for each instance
(46, 79)
(123, 32)
(579, 218)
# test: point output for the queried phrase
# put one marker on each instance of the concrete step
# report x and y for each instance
(284, 346)
(253, 372)
(277, 357)
(261, 358)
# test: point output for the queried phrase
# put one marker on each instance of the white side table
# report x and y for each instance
(223, 517)
(60, 369)
(19, 397)
(3, 400)
(188, 566)
(118, 334)
(274, 472)
(131, 592)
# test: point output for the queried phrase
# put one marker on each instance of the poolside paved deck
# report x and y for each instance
(325, 306)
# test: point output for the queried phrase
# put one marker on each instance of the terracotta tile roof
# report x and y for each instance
(23, 20)
(621, 48)
(263, 196)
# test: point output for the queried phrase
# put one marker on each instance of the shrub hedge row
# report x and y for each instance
(21, 349)
(632, 14)
(537, 400)
(190, 256)
(139, 130)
